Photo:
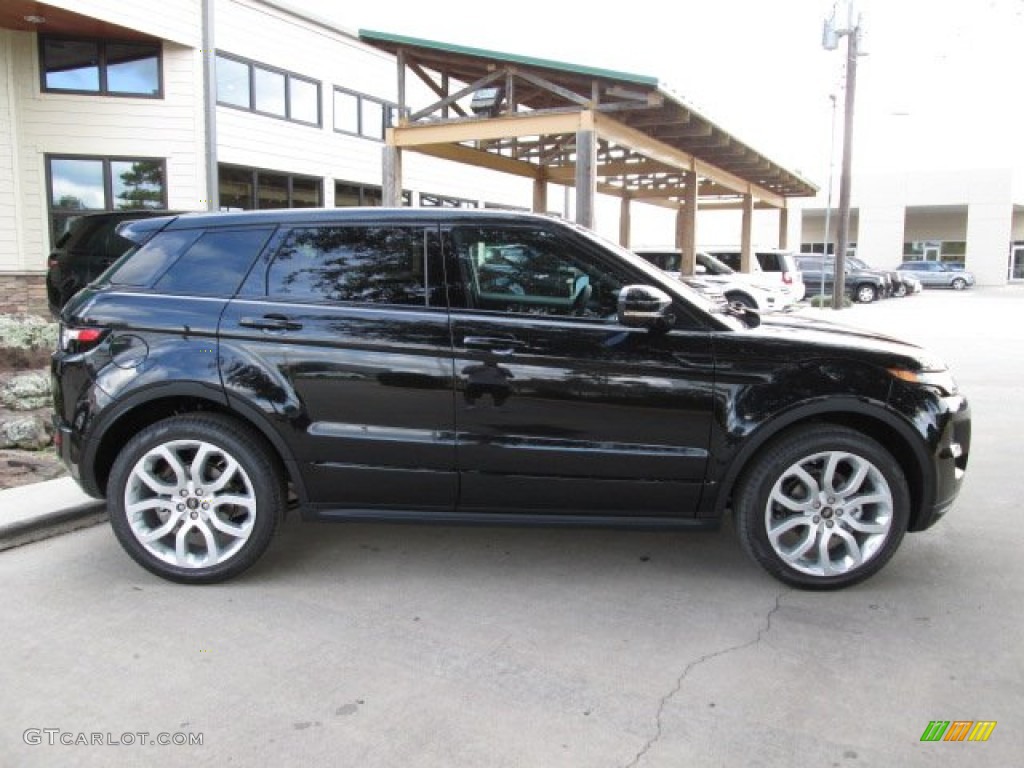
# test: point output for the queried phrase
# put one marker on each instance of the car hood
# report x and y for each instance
(835, 338)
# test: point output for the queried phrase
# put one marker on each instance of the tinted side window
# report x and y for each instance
(533, 272)
(375, 265)
(143, 266)
(215, 264)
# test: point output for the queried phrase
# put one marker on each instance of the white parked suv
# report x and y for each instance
(777, 264)
(753, 290)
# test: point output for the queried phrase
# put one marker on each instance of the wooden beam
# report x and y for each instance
(460, 153)
(547, 85)
(586, 178)
(391, 183)
(688, 243)
(440, 90)
(540, 195)
(746, 251)
(454, 97)
(614, 168)
(502, 127)
(624, 222)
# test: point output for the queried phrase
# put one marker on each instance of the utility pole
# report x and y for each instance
(830, 41)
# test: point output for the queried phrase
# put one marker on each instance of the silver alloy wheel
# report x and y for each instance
(865, 294)
(190, 503)
(829, 513)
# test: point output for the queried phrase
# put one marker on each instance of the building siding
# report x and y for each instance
(177, 20)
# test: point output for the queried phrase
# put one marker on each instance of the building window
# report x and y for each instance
(78, 185)
(348, 195)
(246, 189)
(103, 67)
(428, 200)
(267, 91)
(362, 115)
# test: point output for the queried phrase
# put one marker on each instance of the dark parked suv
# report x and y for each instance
(88, 246)
(484, 367)
(862, 285)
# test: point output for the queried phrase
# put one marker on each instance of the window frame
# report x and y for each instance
(102, 65)
(288, 75)
(388, 109)
(254, 174)
(108, 185)
(432, 257)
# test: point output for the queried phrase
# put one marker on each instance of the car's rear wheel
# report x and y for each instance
(195, 499)
(958, 284)
(866, 293)
(822, 508)
(899, 290)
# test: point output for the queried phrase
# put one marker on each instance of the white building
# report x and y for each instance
(102, 105)
(958, 216)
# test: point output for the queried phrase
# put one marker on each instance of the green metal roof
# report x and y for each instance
(371, 36)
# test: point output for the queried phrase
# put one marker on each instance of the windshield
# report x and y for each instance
(713, 265)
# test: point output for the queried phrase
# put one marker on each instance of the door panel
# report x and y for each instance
(558, 407)
(362, 388)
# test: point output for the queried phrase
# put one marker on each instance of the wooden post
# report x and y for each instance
(624, 221)
(392, 181)
(783, 228)
(586, 170)
(688, 239)
(746, 252)
(402, 111)
(540, 194)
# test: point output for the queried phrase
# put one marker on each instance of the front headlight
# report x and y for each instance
(938, 379)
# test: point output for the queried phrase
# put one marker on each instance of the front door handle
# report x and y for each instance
(270, 323)
(499, 345)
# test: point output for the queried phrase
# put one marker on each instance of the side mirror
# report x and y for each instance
(644, 306)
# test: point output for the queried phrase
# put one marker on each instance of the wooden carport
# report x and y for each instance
(598, 130)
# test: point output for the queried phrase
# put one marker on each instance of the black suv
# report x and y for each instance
(88, 246)
(862, 285)
(472, 366)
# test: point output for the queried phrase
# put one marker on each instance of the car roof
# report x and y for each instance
(328, 215)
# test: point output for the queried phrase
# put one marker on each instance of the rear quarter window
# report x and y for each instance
(143, 266)
(215, 264)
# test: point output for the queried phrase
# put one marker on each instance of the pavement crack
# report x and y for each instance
(761, 632)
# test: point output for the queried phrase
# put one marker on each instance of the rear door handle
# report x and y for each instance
(270, 323)
(499, 345)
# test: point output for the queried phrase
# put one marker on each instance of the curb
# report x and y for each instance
(40, 510)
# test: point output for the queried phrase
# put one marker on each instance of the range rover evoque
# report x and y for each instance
(472, 366)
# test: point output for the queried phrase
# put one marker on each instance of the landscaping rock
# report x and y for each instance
(26, 392)
(30, 433)
(27, 332)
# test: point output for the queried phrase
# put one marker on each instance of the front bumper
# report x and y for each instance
(949, 459)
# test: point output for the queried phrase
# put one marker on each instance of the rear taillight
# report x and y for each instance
(52, 262)
(76, 340)
(787, 278)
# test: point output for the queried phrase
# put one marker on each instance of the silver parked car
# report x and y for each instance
(936, 274)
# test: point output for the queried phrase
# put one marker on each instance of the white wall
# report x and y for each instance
(10, 224)
(177, 20)
(266, 35)
(73, 124)
(988, 241)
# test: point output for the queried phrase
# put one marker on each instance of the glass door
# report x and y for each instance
(1017, 263)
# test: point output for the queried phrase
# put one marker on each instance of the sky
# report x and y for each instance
(940, 87)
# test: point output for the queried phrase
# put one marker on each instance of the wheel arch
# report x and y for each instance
(138, 412)
(893, 435)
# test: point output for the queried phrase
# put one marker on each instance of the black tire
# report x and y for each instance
(899, 290)
(742, 299)
(866, 293)
(958, 284)
(875, 528)
(217, 531)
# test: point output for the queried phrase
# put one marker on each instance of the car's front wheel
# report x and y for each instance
(735, 297)
(866, 293)
(959, 284)
(823, 507)
(195, 499)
